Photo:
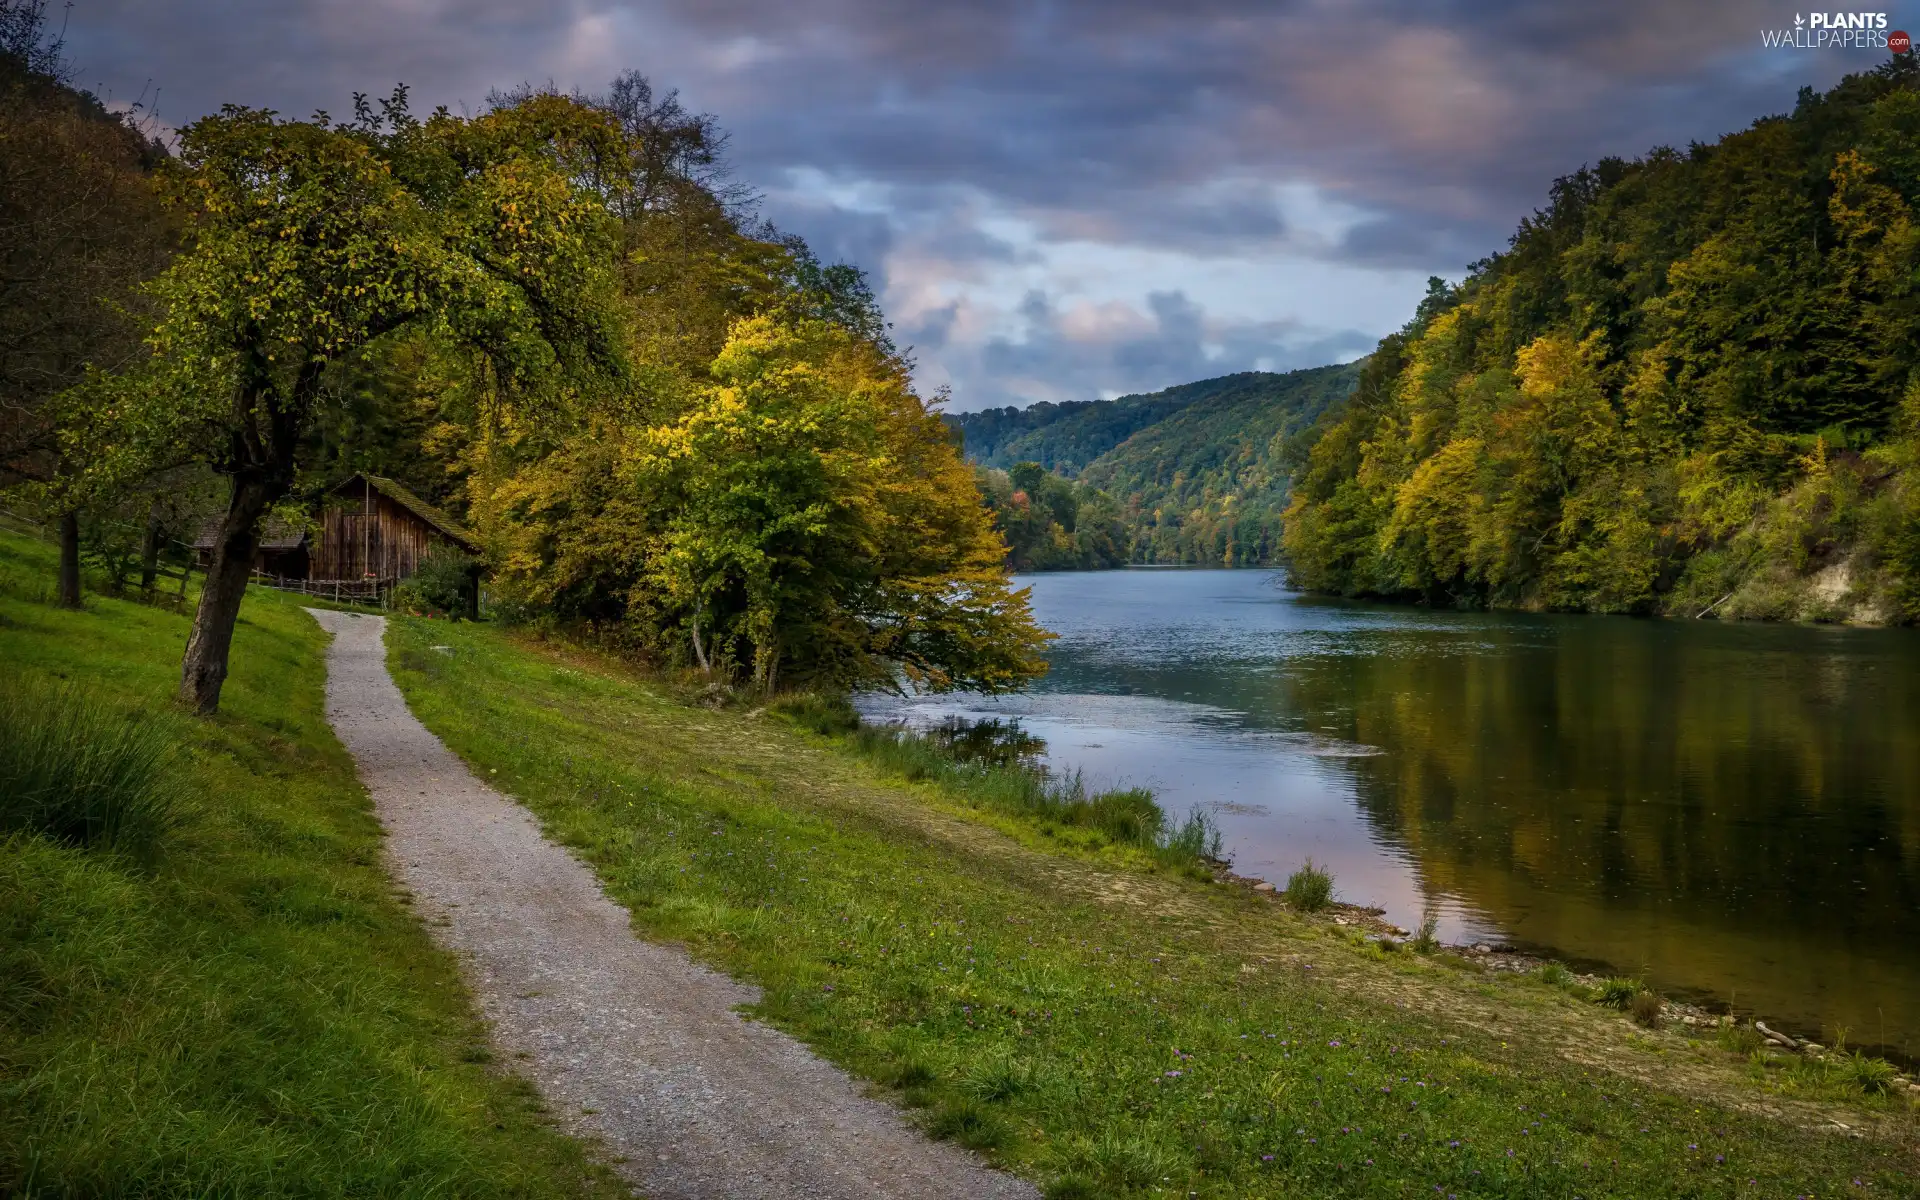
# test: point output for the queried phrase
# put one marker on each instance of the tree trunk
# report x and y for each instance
(204, 669)
(150, 549)
(68, 595)
(699, 651)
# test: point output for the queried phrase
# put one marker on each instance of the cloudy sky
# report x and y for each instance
(1063, 200)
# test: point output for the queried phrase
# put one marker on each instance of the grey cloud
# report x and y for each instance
(1128, 122)
(1173, 341)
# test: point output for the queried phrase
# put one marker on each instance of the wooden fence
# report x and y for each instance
(358, 591)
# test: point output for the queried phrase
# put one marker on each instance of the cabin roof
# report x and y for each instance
(399, 494)
(275, 535)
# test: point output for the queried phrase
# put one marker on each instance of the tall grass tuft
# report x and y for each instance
(821, 712)
(80, 771)
(1310, 888)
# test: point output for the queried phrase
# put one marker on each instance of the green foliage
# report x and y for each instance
(765, 499)
(1050, 523)
(1871, 1076)
(1618, 991)
(1309, 888)
(829, 713)
(1556, 975)
(443, 586)
(812, 515)
(81, 771)
(310, 241)
(1680, 390)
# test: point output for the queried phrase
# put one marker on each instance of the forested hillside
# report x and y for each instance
(1185, 475)
(1207, 485)
(1066, 437)
(1688, 386)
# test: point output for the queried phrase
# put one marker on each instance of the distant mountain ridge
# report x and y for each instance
(1065, 437)
(1194, 470)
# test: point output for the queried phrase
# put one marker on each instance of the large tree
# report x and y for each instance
(313, 243)
(821, 523)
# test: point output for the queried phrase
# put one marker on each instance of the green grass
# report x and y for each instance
(252, 1011)
(1092, 1020)
(75, 768)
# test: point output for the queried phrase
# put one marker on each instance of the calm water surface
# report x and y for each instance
(1731, 810)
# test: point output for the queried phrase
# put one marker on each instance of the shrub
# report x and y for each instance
(1310, 888)
(443, 585)
(1619, 991)
(1427, 941)
(80, 771)
(1645, 1008)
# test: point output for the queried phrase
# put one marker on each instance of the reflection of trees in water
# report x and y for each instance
(991, 741)
(1632, 767)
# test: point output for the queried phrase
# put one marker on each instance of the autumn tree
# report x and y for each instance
(312, 243)
(821, 524)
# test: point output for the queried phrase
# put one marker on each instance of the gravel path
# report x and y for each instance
(629, 1042)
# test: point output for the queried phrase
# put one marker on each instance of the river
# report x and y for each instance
(1731, 811)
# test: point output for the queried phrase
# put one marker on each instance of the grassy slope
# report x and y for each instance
(1108, 1030)
(258, 1013)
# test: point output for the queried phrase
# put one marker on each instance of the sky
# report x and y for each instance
(1063, 200)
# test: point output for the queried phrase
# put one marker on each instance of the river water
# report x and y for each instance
(1731, 811)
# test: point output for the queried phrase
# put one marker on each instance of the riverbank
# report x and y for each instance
(255, 1011)
(1110, 1025)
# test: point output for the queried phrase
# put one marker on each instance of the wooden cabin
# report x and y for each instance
(373, 528)
(373, 534)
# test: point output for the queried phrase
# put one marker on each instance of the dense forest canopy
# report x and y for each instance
(1189, 475)
(1687, 386)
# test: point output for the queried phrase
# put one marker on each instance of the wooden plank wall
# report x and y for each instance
(374, 536)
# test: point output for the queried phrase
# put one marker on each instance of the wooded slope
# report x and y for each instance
(1184, 475)
(1688, 386)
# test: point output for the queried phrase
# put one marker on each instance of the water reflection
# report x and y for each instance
(1729, 809)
